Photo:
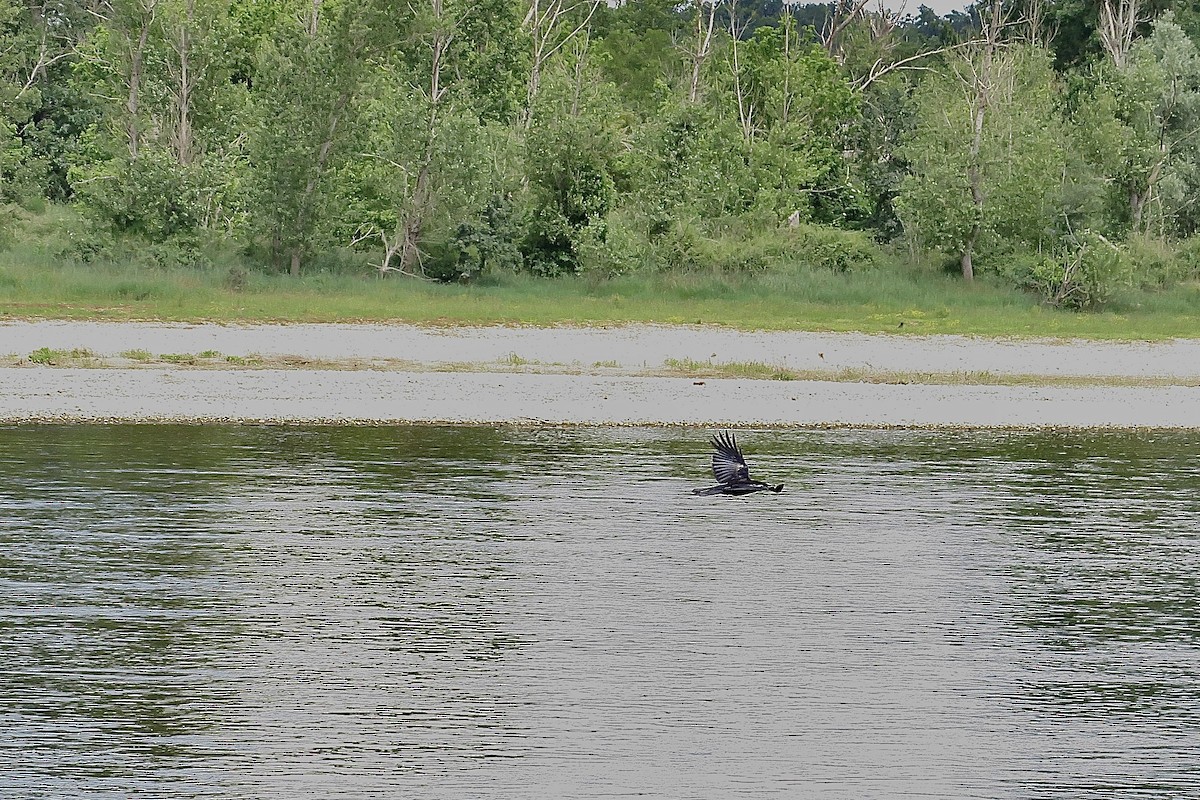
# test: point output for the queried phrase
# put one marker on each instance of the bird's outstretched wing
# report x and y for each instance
(727, 463)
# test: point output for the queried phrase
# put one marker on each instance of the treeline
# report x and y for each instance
(1053, 143)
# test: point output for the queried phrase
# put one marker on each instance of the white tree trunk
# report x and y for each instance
(1118, 23)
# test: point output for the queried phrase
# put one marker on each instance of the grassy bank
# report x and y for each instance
(893, 299)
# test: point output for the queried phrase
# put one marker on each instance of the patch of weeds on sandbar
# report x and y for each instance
(178, 358)
(514, 360)
(49, 357)
(755, 370)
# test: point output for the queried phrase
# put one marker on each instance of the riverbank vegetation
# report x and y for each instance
(898, 297)
(746, 162)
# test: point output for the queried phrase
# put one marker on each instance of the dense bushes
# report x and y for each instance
(453, 141)
(1082, 274)
(1087, 269)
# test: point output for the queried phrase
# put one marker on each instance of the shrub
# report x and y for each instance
(571, 163)
(150, 196)
(834, 249)
(1151, 262)
(1082, 275)
(1187, 259)
(685, 248)
(485, 244)
(641, 242)
(97, 244)
(548, 249)
(615, 247)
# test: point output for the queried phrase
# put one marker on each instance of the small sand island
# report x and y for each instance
(57, 371)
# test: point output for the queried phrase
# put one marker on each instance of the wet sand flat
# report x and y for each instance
(607, 381)
(297, 396)
(625, 347)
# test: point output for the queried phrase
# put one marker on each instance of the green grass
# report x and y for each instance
(900, 301)
(34, 283)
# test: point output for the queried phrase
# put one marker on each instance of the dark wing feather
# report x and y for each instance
(727, 463)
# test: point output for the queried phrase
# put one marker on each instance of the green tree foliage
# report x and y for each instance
(492, 58)
(572, 162)
(446, 138)
(766, 145)
(795, 106)
(996, 191)
(635, 44)
(164, 161)
(437, 138)
(877, 134)
(1158, 97)
(19, 101)
(307, 76)
(1139, 131)
(41, 114)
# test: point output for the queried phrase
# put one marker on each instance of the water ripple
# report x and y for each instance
(257, 612)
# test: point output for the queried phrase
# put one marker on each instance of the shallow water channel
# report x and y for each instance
(473, 612)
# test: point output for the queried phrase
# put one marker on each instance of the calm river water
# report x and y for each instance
(424, 612)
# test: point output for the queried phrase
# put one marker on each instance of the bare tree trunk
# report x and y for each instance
(183, 134)
(745, 107)
(982, 88)
(414, 220)
(703, 48)
(978, 197)
(137, 57)
(793, 50)
(411, 222)
(881, 24)
(546, 22)
(975, 179)
(1118, 23)
(1139, 199)
(314, 17)
(843, 12)
(582, 44)
(45, 59)
(186, 77)
(1137, 204)
(1035, 21)
(536, 22)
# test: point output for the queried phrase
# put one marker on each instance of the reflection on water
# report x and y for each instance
(239, 612)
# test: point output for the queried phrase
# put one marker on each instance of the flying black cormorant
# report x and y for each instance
(730, 470)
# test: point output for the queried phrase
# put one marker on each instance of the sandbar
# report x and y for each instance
(394, 374)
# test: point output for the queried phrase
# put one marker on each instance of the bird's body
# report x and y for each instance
(730, 470)
(740, 488)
